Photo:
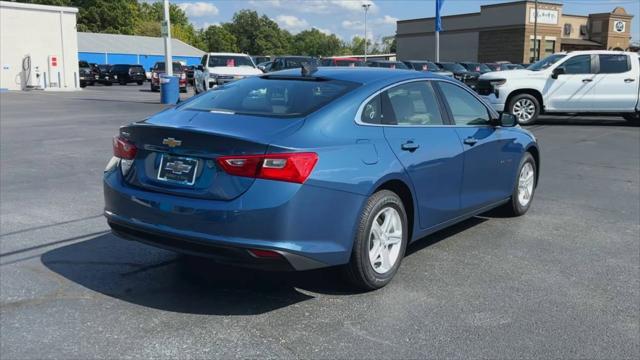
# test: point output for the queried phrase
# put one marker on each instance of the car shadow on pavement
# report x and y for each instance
(581, 120)
(152, 277)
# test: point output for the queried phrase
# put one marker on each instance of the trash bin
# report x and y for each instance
(169, 89)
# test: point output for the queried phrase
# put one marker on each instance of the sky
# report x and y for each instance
(345, 18)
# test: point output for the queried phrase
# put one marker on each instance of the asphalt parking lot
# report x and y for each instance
(561, 282)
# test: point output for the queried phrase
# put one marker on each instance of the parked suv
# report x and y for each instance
(124, 74)
(159, 69)
(470, 78)
(476, 67)
(291, 62)
(389, 64)
(594, 81)
(86, 74)
(346, 61)
(220, 68)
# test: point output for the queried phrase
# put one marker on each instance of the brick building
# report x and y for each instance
(505, 32)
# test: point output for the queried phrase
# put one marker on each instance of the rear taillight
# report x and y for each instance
(183, 76)
(123, 149)
(290, 167)
(265, 254)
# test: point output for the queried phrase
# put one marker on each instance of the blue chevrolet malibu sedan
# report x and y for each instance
(298, 170)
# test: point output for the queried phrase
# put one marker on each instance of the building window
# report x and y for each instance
(532, 55)
(583, 30)
(567, 29)
(549, 47)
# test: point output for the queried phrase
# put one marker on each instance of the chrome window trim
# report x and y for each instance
(364, 103)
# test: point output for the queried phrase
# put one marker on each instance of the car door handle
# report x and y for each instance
(410, 146)
(586, 80)
(470, 141)
(629, 80)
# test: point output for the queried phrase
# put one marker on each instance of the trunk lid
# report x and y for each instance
(177, 150)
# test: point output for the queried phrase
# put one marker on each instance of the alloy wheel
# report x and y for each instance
(525, 184)
(524, 110)
(385, 240)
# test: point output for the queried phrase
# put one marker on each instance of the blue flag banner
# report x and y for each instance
(438, 19)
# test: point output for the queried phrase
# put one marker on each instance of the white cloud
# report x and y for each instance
(317, 6)
(199, 9)
(386, 20)
(353, 25)
(324, 31)
(291, 22)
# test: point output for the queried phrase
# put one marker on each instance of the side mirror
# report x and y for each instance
(507, 120)
(262, 68)
(557, 71)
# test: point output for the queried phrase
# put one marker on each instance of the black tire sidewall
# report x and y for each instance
(529, 97)
(360, 264)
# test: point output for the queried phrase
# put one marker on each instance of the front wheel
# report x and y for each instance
(525, 107)
(525, 187)
(380, 242)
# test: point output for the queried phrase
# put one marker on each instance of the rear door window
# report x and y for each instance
(614, 64)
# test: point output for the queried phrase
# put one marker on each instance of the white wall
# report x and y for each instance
(39, 31)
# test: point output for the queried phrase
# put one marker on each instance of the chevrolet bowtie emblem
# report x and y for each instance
(171, 142)
(178, 167)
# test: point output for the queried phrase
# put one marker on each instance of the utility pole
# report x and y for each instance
(536, 48)
(166, 34)
(366, 9)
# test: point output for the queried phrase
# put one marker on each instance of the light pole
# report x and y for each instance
(366, 9)
(536, 48)
(166, 33)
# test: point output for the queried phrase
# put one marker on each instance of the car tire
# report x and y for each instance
(525, 183)
(122, 82)
(139, 82)
(362, 270)
(83, 85)
(632, 117)
(525, 107)
(108, 83)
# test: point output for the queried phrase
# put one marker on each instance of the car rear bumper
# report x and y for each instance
(310, 226)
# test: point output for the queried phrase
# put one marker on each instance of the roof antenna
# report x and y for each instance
(308, 68)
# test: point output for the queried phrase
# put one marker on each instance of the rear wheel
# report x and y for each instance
(123, 82)
(525, 107)
(380, 242)
(139, 82)
(525, 186)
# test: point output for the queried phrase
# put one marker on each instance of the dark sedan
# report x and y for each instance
(470, 78)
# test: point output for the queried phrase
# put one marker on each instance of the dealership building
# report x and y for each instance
(131, 49)
(506, 32)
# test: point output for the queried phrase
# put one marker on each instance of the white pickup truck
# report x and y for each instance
(594, 82)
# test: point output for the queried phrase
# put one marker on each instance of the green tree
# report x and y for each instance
(219, 39)
(155, 12)
(315, 43)
(258, 35)
(107, 16)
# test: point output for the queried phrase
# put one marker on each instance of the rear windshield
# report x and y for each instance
(278, 97)
(177, 67)
(230, 61)
(453, 67)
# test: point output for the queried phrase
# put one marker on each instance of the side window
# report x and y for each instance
(465, 108)
(203, 62)
(413, 103)
(580, 64)
(372, 111)
(614, 64)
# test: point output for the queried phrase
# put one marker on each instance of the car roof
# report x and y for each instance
(363, 75)
(226, 54)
